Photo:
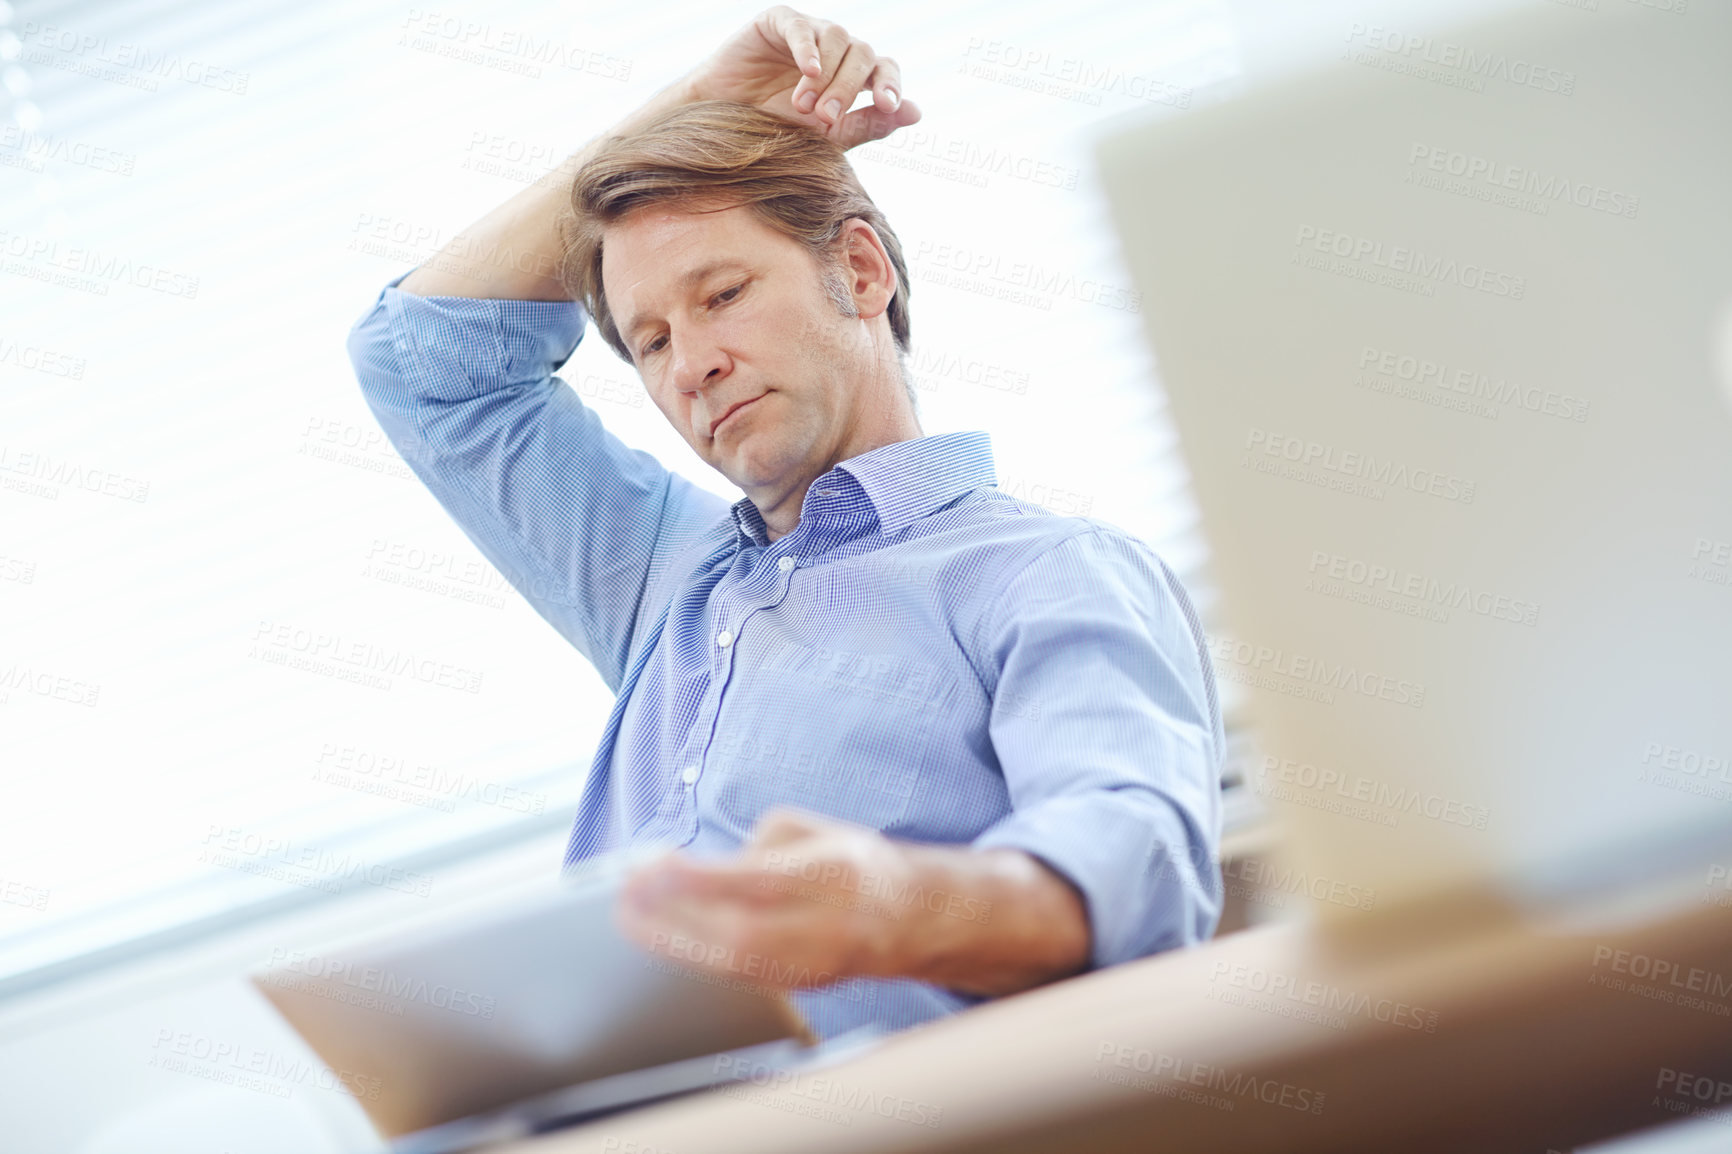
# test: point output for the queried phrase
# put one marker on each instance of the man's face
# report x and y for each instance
(737, 342)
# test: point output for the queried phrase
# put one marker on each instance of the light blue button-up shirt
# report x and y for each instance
(922, 654)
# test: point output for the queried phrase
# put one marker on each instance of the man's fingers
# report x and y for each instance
(789, 27)
(868, 124)
(781, 826)
(833, 45)
(838, 96)
(672, 885)
(886, 84)
(887, 112)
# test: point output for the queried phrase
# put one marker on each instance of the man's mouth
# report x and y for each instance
(731, 410)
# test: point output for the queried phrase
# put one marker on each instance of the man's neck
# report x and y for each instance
(784, 517)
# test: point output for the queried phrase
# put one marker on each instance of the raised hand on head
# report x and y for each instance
(809, 71)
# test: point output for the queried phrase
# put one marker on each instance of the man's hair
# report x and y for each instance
(716, 154)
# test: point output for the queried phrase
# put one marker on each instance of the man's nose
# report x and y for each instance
(697, 362)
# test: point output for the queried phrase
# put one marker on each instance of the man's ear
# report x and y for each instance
(868, 271)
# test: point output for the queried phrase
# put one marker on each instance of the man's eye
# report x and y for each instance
(725, 296)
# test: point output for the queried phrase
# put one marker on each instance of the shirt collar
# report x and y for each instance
(904, 480)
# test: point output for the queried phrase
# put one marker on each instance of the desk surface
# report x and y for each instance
(1449, 1028)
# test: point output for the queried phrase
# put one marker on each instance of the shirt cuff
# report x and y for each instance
(462, 347)
(1144, 874)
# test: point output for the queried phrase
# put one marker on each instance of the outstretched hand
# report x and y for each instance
(808, 71)
(807, 901)
(811, 900)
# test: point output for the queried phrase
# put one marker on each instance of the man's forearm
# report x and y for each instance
(514, 252)
(832, 898)
(992, 922)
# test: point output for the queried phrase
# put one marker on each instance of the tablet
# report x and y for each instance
(486, 1008)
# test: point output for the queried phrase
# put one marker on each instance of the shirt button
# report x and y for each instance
(786, 564)
(690, 775)
(724, 639)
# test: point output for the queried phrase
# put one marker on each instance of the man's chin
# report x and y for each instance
(754, 465)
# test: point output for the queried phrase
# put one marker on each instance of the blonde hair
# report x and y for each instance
(714, 154)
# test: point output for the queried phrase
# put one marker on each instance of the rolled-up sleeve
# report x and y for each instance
(570, 515)
(1107, 728)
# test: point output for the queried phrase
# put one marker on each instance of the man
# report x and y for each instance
(921, 743)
